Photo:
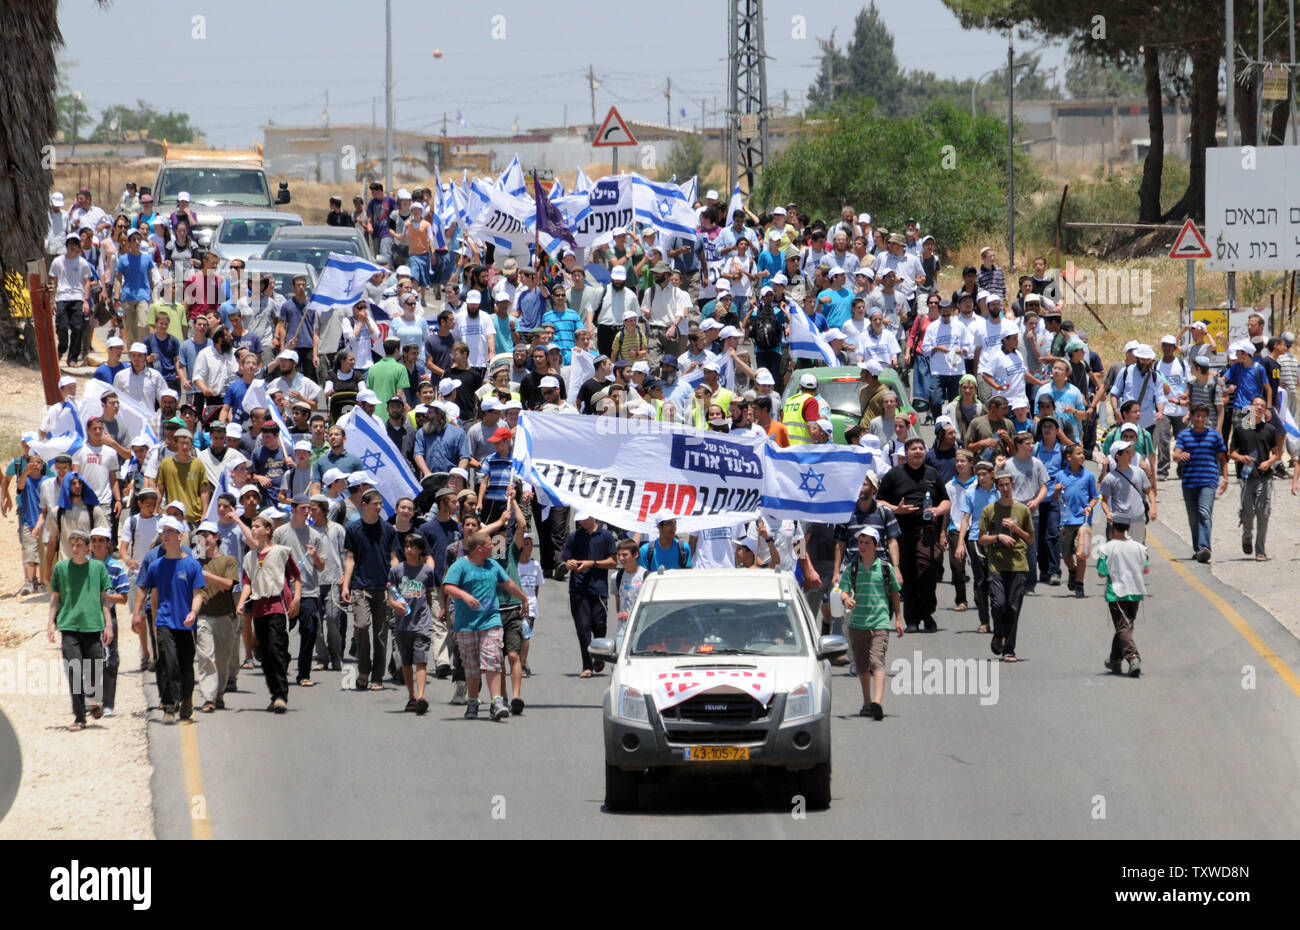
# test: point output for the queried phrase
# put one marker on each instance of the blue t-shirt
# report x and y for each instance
(1202, 469)
(134, 272)
(370, 545)
(566, 324)
(1249, 381)
(1053, 460)
(480, 582)
(234, 397)
(107, 372)
(532, 307)
(346, 463)
(188, 353)
(1079, 491)
(409, 334)
(817, 321)
(176, 581)
(166, 349)
(678, 555)
(974, 502)
(442, 451)
(768, 265)
(29, 502)
(839, 309)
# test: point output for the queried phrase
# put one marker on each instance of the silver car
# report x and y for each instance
(245, 233)
(361, 246)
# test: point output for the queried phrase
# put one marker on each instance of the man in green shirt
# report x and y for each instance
(79, 611)
(870, 593)
(388, 375)
(1006, 530)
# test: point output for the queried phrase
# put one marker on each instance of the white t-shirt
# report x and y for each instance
(883, 348)
(1009, 369)
(69, 275)
(531, 581)
(474, 331)
(714, 547)
(992, 346)
(974, 329)
(97, 465)
(948, 334)
(786, 535)
(1175, 375)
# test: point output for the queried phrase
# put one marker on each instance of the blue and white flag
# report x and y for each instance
(663, 206)
(1288, 424)
(806, 342)
(460, 118)
(726, 376)
(813, 482)
(581, 183)
(67, 434)
(367, 439)
(557, 190)
(512, 179)
(606, 207)
(691, 189)
(737, 202)
(502, 219)
(440, 212)
(342, 283)
(131, 414)
(223, 487)
(255, 397)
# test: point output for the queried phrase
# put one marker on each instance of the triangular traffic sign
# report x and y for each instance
(614, 131)
(1190, 243)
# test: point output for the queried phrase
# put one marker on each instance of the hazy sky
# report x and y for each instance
(260, 61)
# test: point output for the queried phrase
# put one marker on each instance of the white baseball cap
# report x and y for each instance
(176, 504)
(580, 516)
(114, 343)
(139, 347)
(664, 516)
(779, 211)
(618, 273)
(723, 287)
(473, 298)
(367, 396)
(1131, 345)
(642, 366)
(826, 426)
(183, 195)
(357, 478)
(331, 475)
(234, 431)
(56, 199)
(449, 386)
(1119, 446)
(864, 218)
(711, 194)
(102, 532)
(807, 380)
(207, 526)
(779, 278)
(67, 381)
(170, 523)
(403, 194)
(1168, 340)
(629, 314)
(710, 324)
(302, 445)
(871, 366)
(764, 377)
(499, 294)
(550, 381)
(711, 365)
(1144, 352)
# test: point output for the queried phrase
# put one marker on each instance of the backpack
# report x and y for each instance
(651, 549)
(853, 574)
(766, 331)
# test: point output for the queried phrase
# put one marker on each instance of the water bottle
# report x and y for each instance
(925, 510)
(395, 594)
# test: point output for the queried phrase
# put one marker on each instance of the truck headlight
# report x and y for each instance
(799, 703)
(631, 705)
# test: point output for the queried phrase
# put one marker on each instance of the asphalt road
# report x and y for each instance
(1067, 750)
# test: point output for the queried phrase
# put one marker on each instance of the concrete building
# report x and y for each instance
(1100, 131)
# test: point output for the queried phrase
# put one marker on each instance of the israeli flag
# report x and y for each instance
(439, 218)
(255, 397)
(131, 414)
(1289, 424)
(813, 482)
(581, 183)
(512, 179)
(557, 190)
(67, 434)
(690, 190)
(737, 202)
(726, 377)
(367, 439)
(223, 487)
(806, 342)
(342, 283)
(663, 206)
(460, 118)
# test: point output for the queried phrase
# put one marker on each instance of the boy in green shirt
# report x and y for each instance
(79, 611)
(870, 593)
(1123, 562)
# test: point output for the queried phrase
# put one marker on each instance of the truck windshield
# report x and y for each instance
(244, 186)
(719, 628)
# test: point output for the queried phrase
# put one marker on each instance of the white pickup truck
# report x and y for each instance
(216, 181)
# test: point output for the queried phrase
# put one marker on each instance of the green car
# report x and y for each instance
(839, 385)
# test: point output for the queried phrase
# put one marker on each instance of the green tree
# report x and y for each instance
(143, 118)
(942, 156)
(1091, 76)
(688, 158)
(867, 66)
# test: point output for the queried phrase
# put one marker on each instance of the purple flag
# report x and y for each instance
(549, 218)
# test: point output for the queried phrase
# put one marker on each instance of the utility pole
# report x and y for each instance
(444, 124)
(76, 112)
(668, 96)
(1259, 75)
(748, 112)
(327, 109)
(591, 83)
(1230, 83)
(1011, 151)
(388, 96)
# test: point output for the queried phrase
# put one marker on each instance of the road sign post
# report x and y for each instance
(1190, 245)
(613, 132)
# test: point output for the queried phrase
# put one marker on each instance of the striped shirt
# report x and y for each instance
(870, 593)
(1202, 469)
(497, 469)
(628, 343)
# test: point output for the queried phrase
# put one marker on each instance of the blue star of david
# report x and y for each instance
(812, 482)
(664, 207)
(372, 460)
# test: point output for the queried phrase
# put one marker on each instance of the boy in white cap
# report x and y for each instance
(175, 581)
(297, 480)
(79, 611)
(870, 592)
(1127, 495)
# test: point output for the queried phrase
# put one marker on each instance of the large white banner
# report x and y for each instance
(502, 219)
(623, 472)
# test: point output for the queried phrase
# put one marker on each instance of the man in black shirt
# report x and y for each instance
(1256, 449)
(594, 385)
(904, 488)
(400, 430)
